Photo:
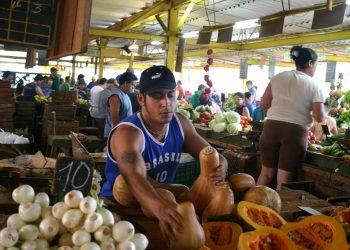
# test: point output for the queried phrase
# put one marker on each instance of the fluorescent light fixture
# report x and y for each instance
(156, 43)
(246, 24)
(134, 47)
(190, 34)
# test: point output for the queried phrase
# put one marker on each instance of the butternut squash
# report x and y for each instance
(122, 194)
(241, 183)
(317, 232)
(265, 196)
(203, 190)
(165, 195)
(265, 238)
(221, 204)
(192, 238)
(222, 235)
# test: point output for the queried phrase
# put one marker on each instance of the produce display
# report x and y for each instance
(76, 223)
(332, 147)
(42, 99)
(203, 190)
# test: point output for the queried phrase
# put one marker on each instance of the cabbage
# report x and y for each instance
(194, 115)
(212, 124)
(234, 128)
(233, 117)
(219, 127)
(185, 113)
(220, 117)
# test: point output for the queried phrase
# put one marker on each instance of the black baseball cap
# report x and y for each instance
(157, 77)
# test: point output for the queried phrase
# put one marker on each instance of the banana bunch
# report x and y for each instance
(43, 99)
(81, 101)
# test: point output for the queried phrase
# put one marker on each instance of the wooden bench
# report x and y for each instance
(63, 142)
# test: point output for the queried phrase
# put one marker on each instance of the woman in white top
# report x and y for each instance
(289, 100)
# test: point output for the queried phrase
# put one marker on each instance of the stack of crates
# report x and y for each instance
(7, 106)
(187, 172)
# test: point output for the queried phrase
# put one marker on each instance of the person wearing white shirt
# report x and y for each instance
(95, 93)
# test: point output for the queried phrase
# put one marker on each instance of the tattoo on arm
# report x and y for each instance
(129, 157)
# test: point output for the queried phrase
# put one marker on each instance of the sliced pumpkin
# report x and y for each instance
(257, 216)
(317, 232)
(222, 235)
(265, 238)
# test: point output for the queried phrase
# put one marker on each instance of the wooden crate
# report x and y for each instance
(6, 117)
(7, 100)
(63, 112)
(25, 108)
(6, 92)
(60, 97)
(62, 127)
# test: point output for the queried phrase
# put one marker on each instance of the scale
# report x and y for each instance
(253, 136)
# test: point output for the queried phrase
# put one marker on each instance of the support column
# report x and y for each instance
(172, 38)
(103, 44)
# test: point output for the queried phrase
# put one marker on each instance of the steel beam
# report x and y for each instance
(184, 16)
(172, 38)
(126, 35)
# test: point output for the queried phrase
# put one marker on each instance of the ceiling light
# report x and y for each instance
(246, 24)
(156, 43)
(190, 34)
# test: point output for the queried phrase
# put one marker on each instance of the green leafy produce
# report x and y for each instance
(22, 132)
(344, 118)
(185, 113)
(233, 128)
(233, 117)
(347, 96)
(220, 117)
(194, 115)
(220, 127)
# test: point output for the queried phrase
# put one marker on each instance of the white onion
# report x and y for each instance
(123, 231)
(29, 245)
(28, 232)
(15, 221)
(72, 218)
(90, 246)
(42, 244)
(65, 248)
(43, 199)
(61, 229)
(59, 209)
(54, 248)
(88, 205)
(8, 237)
(2, 248)
(66, 240)
(29, 212)
(81, 237)
(75, 248)
(103, 233)
(126, 245)
(49, 227)
(92, 222)
(73, 198)
(12, 248)
(107, 245)
(46, 212)
(140, 241)
(23, 193)
(108, 218)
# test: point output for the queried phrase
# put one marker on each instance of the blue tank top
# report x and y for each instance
(161, 158)
(124, 111)
(29, 89)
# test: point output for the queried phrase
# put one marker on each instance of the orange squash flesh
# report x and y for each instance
(257, 216)
(222, 235)
(265, 238)
(317, 232)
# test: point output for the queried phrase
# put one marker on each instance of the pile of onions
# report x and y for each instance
(76, 223)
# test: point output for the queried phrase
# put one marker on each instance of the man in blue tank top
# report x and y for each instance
(119, 104)
(148, 146)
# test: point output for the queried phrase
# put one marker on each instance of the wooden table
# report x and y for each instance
(63, 142)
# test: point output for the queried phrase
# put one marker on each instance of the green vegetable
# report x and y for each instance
(22, 132)
(220, 117)
(194, 115)
(233, 117)
(234, 128)
(185, 113)
(220, 127)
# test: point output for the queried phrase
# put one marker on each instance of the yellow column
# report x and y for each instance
(172, 38)
(103, 44)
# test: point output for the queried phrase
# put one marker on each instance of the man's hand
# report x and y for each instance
(218, 176)
(169, 222)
